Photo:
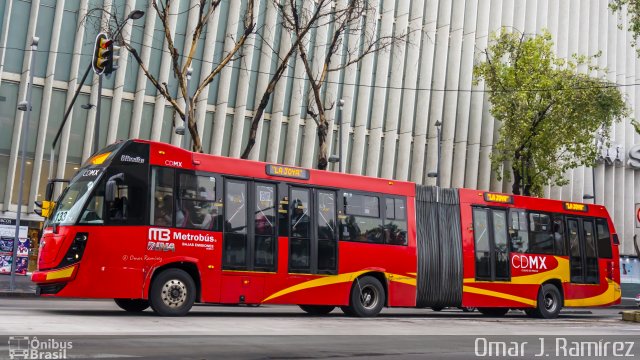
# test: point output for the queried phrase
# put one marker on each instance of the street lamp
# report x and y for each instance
(338, 158)
(133, 15)
(186, 143)
(436, 174)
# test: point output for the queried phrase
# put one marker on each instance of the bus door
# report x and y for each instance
(313, 233)
(491, 246)
(583, 257)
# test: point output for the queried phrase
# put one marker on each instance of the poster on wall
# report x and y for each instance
(7, 233)
(5, 264)
(22, 263)
(630, 270)
(6, 245)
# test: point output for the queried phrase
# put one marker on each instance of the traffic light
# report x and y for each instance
(105, 55)
(43, 208)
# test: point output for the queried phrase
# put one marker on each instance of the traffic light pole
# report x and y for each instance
(64, 121)
(96, 128)
(23, 144)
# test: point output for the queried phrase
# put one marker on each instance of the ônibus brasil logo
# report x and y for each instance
(159, 239)
(25, 347)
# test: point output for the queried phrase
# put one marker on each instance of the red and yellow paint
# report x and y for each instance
(522, 290)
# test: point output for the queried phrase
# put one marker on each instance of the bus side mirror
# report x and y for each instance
(49, 191)
(616, 240)
(112, 187)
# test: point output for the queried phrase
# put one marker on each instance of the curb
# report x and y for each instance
(633, 316)
(17, 294)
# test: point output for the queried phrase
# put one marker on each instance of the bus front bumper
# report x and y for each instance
(50, 282)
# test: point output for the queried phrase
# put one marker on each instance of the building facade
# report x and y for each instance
(392, 99)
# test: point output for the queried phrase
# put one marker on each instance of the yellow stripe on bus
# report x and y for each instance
(324, 281)
(337, 279)
(60, 274)
(609, 296)
(500, 295)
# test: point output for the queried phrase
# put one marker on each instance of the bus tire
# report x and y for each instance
(437, 308)
(132, 305)
(347, 310)
(317, 309)
(367, 297)
(493, 312)
(172, 293)
(549, 302)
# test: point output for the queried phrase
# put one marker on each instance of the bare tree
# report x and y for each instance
(206, 8)
(301, 20)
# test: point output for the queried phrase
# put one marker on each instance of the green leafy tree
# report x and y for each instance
(633, 11)
(548, 111)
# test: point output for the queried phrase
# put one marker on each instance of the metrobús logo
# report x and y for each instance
(159, 240)
(193, 237)
(25, 347)
(156, 234)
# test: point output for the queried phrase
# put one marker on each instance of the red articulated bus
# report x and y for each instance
(150, 224)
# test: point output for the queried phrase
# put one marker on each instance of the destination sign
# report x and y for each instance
(499, 198)
(576, 207)
(288, 171)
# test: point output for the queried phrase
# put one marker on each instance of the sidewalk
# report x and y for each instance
(23, 286)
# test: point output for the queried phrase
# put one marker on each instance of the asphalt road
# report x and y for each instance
(98, 329)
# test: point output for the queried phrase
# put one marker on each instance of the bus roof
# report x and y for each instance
(164, 154)
(532, 203)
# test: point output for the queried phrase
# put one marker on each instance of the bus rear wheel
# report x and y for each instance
(367, 298)
(317, 309)
(132, 305)
(549, 303)
(494, 312)
(172, 293)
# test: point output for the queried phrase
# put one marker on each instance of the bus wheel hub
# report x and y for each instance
(174, 293)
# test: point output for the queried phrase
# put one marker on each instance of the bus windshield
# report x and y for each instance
(74, 197)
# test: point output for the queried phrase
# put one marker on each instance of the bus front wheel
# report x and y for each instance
(172, 293)
(132, 305)
(367, 298)
(317, 309)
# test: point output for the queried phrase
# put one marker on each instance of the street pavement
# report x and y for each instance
(23, 286)
(99, 329)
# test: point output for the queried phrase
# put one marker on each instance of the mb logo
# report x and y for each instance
(156, 234)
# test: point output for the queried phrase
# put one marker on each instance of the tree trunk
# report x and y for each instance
(257, 117)
(517, 175)
(193, 129)
(322, 142)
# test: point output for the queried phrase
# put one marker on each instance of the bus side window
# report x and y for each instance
(395, 222)
(197, 207)
(162, 201)
(604, 239)
(362, 221)
(557, 229)
(541, 239)
(128, 205)
(518, 231)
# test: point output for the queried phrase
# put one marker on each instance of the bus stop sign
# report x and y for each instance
(638, 215)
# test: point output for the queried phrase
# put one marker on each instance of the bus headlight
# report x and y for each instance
(74, 254)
